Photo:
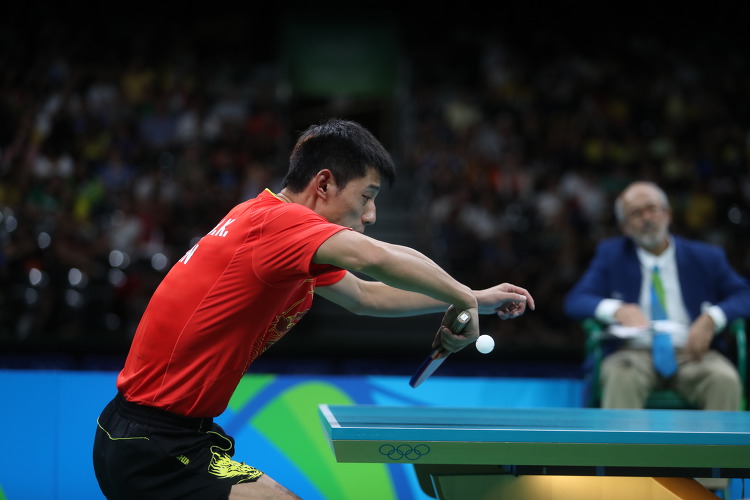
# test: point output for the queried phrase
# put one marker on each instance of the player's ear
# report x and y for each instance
(323, 179)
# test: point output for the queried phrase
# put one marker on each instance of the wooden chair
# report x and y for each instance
(732, 342)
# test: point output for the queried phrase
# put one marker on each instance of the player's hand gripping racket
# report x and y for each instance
(432, 362)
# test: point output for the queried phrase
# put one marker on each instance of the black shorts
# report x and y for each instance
(142, 452)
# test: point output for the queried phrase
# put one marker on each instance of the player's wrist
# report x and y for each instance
(467, 300)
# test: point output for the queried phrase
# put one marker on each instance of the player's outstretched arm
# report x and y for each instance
(396, 266)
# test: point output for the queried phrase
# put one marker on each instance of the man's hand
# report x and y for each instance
(451, 341)
(631, 315)
(508, 301)
(700, 335)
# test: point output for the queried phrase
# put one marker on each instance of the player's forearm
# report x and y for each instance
(379, 299)
(409, 270)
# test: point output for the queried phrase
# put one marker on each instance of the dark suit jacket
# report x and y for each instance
(704, 272)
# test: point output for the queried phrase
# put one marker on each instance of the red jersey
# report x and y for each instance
(228, 299)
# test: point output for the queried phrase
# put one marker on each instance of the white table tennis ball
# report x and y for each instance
(485, 344)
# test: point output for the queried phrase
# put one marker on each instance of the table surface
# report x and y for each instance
(539, 436)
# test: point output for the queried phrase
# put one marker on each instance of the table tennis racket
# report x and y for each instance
(432, 362)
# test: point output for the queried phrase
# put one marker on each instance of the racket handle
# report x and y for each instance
(458, 324)
(461, 321)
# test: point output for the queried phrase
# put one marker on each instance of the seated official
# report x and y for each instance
(697, 294)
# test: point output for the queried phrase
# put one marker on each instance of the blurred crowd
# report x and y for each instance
(111, 168)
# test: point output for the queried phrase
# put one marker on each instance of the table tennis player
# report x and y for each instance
(242, 287)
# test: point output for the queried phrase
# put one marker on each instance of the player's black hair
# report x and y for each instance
(344, 147)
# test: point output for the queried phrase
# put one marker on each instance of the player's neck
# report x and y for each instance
(283, 197)
(306, 198)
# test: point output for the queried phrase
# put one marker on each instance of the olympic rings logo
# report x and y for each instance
(404, 451)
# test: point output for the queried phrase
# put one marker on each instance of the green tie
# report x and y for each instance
(661, 344)
(658, 302)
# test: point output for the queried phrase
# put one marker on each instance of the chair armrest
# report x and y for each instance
(593, 331)
(737, 328)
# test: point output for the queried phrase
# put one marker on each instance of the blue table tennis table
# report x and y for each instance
(545, 453)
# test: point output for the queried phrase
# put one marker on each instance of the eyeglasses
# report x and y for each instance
(648, 210)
